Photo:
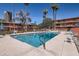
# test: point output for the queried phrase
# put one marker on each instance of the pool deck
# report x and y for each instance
(54, 47)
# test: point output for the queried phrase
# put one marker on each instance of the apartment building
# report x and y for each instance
(64, 24)
(9, 27)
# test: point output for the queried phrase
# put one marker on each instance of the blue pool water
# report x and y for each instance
(35, 39)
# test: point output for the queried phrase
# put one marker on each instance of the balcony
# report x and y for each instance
(62, 22)
(65, 26)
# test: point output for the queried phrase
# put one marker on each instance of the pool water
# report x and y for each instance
(35, 39)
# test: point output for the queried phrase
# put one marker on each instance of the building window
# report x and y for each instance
(77, 25)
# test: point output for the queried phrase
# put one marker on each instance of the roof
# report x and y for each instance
(67, 19)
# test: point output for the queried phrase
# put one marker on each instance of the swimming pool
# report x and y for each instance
(35, 39)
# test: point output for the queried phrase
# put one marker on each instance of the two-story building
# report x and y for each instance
(64, 24)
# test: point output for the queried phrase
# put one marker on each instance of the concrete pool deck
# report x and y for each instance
(54, 47)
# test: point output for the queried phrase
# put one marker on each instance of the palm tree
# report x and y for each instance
(27, 14)
(14, 5)
(54, 7)
(26, 4)
(24, 16)
(45, 11)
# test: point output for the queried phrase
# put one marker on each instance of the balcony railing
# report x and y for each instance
(61, 22)
(65, 26)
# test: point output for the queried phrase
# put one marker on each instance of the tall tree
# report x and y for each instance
(47, 23)
(23, 18)
(26, 4)
(26, 7)
(54, 8)
(14, 5)
(45, 11)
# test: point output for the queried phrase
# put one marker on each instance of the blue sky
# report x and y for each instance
(35, 9)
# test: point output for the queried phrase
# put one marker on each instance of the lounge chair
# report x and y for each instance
(68, 40)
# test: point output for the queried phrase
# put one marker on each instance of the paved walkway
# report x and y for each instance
(54, 47)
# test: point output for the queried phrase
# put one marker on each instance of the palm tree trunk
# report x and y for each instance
(26, 9)
(14, 19)
(54, 18)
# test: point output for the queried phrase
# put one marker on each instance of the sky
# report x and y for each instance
(66, 10)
